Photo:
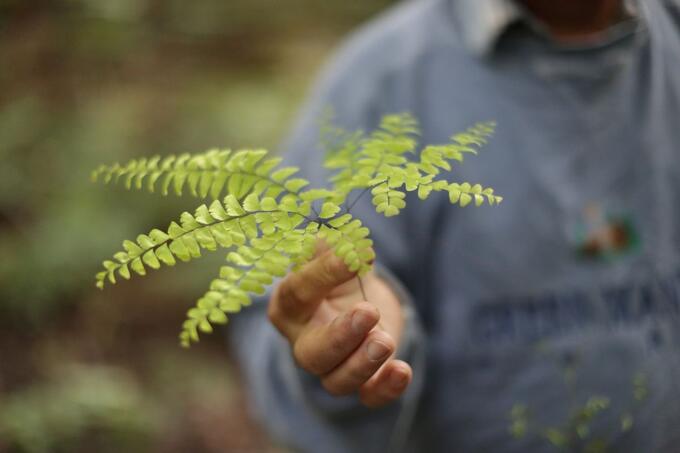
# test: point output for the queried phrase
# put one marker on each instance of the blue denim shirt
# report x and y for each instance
(568, 290)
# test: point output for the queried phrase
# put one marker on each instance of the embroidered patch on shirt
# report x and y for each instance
(604, 236)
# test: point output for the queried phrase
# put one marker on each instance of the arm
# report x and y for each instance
(290, 372)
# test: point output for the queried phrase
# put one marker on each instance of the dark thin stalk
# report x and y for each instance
(361, 287)
(366, 189)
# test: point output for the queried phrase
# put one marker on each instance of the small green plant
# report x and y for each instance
(576, 435)
(268, 218)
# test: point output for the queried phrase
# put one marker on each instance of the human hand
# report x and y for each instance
(334, 334)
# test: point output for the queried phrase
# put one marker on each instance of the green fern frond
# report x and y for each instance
(205, 175)
(381, 165)
(270, 220)
(223, 224)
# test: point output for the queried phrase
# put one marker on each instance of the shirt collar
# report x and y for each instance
(483, 22)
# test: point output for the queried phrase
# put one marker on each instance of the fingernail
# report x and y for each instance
(361, 322)
(377, 350)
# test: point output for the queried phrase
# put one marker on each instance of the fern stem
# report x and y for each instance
(363, 192)
(156, 246)
(361, 287)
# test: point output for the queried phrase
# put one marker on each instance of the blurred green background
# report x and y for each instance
(84, 82)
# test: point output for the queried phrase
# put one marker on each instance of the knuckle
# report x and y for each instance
(305, 359)
(366, 397)
(289, 294)
(328, 268)
(283, 290)
(372, 401)
(279, 319)
(337, 342)
(290, 291)
(332, 268)
(335, 389)
(360, 373)
(300, 356)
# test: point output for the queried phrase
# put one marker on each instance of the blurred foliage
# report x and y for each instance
(171, 402)
(96, 80)
(90, 81)
(104, 403)
(575, 434)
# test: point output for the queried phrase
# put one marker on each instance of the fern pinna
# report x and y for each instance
(269, 219)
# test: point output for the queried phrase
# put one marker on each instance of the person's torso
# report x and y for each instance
(570, 289)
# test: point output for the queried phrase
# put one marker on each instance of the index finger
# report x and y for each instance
(298, 295)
